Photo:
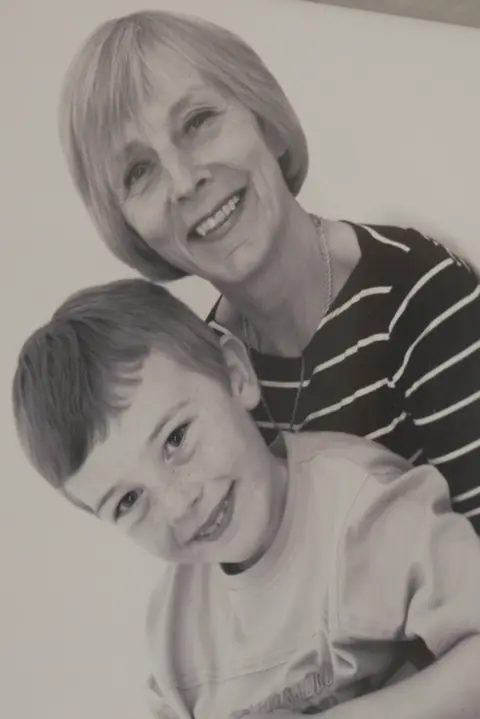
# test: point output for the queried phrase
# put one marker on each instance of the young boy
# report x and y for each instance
(296, 575)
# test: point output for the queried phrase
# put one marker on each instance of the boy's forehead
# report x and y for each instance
(106, 465)
(160, 385)
(161, 388)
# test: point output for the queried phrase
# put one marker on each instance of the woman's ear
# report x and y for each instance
(242, 378)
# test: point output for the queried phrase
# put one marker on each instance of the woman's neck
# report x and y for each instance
(282, 303)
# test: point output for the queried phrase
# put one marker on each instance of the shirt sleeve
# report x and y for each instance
(435, 335)
(158, 707)
(407, 566)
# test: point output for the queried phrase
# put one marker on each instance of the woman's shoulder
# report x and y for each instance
(410, 243)
(407, 255)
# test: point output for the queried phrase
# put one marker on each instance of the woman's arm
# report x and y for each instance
(448, 689)
(435, 338)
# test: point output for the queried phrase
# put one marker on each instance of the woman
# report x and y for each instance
(189, 158)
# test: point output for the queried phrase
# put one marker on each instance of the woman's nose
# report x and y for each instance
(186, 176)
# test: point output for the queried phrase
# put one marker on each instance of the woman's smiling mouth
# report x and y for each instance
(218, 218)
(218, 520)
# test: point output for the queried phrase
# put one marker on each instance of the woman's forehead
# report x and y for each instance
(168, 83)
(163, 88)
(159, 110)
(168, 70)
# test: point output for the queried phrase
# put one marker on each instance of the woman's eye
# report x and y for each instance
(196, 121)
(127, 502)
(136, 173)
(175, 438)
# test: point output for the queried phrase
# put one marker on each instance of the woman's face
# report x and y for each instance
(197, 180)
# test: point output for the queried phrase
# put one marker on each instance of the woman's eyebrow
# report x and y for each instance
(185, 101)
(129, 151)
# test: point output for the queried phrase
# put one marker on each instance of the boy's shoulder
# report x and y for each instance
(338, 449)
(175, 609)
(335, 474)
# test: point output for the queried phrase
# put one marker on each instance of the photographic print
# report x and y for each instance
(241, 377)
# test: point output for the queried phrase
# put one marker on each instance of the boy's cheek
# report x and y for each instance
(153, 536)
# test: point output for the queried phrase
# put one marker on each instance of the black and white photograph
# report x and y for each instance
(241, 379)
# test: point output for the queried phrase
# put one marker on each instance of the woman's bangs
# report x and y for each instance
(117, 103)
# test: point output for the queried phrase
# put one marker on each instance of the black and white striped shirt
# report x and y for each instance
(396, 359)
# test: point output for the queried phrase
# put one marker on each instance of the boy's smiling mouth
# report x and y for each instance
(218, 520)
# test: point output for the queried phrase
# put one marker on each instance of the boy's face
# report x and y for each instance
(184, 471)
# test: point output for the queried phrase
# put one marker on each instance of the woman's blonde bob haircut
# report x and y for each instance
(109, 80)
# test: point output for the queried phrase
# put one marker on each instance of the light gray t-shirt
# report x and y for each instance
(368, 554)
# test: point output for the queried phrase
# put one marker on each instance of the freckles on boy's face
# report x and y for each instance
(184, 471)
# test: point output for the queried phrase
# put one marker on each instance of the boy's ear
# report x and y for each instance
(243, 380)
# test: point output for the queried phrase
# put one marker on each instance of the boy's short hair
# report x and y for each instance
(109, 79)
(70, 372)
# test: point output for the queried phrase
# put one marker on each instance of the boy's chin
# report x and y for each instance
(227, 560)
(225, 551)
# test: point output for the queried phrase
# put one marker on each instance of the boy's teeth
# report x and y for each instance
(217, 522)
(216, 220)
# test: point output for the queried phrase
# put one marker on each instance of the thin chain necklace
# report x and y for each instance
(328, 274)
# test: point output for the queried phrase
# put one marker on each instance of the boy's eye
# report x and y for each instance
(175, 438)
(127, 502)
(196, 121)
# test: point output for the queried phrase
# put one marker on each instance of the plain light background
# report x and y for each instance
(392, 111)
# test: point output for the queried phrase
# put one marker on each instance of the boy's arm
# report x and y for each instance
(158, 708)
(408, 567)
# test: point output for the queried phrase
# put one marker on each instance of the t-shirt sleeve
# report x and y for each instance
(407, 567)
(158, 707)
(435, 335)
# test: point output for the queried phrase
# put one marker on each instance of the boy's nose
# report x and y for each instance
(179, 503)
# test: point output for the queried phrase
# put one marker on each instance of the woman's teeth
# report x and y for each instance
(216, 220)
(218, 521)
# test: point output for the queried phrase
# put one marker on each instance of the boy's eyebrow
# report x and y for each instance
(165, 419)
(105, 499)
(151, 438)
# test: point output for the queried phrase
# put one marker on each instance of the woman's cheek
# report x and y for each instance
(146, 211)
(145, 219)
